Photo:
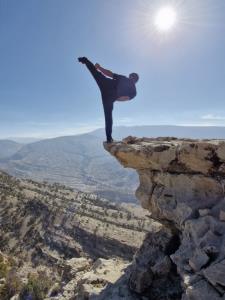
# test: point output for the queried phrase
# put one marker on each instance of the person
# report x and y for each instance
(113, 88)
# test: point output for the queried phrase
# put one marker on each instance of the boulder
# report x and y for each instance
(199, 260)
(215, 274)
(222, 215)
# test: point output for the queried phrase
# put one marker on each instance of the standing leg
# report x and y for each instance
(108, 108)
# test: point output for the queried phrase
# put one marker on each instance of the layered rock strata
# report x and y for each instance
(182, 184)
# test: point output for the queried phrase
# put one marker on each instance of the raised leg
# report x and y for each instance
(98, 76)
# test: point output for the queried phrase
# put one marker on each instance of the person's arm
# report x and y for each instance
(123, 98)
(106, 72)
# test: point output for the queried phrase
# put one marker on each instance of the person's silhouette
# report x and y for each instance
(113, 87)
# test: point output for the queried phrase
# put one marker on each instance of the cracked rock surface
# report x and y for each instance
(182, 184)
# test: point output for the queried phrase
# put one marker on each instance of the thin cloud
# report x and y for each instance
(212, 117)
(124, 121)
(49, 130)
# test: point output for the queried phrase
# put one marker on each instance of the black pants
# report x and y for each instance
(108, 92)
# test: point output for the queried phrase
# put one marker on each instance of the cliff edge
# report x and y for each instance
(182, 184)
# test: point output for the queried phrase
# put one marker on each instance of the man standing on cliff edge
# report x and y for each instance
(113, 88)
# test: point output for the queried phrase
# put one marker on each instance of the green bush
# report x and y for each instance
(11, 287)
(3, 268)
(37, 287)
(6, 265)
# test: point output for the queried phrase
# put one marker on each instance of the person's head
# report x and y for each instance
(134, 77)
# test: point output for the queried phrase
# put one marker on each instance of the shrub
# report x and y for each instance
(6, 265)
(36, 288)
(11, 287)
(3, 267)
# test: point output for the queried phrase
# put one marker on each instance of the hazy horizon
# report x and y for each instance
(27, 139)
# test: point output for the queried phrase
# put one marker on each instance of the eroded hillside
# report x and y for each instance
(46, 226)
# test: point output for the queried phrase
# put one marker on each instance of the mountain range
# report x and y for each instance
(81, 162)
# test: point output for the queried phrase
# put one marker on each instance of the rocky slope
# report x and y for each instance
(62, 232)
(182, 185)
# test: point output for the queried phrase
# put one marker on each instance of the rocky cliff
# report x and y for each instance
(182, 185)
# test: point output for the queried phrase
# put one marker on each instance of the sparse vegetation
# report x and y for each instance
(37, 287)
(4, 267)
(44, 225)
(11, 287)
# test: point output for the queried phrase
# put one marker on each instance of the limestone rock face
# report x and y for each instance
(182, 184)
(103, 273)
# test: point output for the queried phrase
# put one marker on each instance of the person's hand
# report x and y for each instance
(97, 66)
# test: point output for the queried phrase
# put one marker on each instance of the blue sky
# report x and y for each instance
(45, 92)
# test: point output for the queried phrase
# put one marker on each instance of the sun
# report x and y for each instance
(165, 19)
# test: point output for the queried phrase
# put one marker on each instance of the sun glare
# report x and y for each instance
(165, 19)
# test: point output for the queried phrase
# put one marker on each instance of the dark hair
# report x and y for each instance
(135, 76)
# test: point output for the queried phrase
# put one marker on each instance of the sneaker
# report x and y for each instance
(82, 60)
(109, 141)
